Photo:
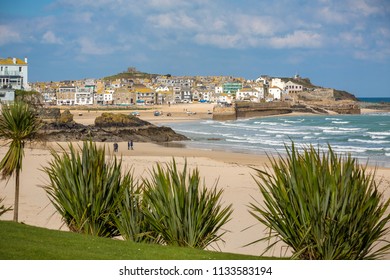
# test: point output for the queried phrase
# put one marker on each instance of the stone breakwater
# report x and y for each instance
(251, 110)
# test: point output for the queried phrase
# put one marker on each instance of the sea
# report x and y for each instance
(366, 136)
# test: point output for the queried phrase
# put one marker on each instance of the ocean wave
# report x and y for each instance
(268, 123)
(350, 128)
(332, 119)
(340, 122)
(297, 121)
(387, 154)
(384, 133)
(369, 141)
(348, 149)
(329, 131)
(287, 132)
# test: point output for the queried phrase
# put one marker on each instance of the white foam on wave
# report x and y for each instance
(348, 149)
(287, 132)
(268, 123)
(340, 122)
(297, 121)
(381, 133)
(332, 119)
(350, 129)
(329, 131)
(368, 141)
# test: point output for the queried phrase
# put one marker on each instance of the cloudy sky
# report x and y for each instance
(344, 44)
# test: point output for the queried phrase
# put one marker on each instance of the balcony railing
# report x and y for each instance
(10, 73)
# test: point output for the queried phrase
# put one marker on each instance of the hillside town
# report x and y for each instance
(133, 87)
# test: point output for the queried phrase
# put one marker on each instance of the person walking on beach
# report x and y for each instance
(115, 147)
(130, 145)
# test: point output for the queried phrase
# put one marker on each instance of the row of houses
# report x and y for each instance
(169, 91)
(157, 90)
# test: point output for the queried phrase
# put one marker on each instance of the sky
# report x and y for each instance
(342, 44)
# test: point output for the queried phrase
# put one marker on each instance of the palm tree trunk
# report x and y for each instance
(16, 206)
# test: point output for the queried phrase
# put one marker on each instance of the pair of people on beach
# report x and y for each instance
(129, 146)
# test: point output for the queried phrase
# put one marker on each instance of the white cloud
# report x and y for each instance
(329, 15)
(50, 38)
(256, 25)
(297, 39)
(365, 9)
(224, 41)
(352, 39)
(90, 47)
(8, 35)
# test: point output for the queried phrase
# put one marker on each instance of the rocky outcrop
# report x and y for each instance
(119, 120)
(110, 128)
(325, 94)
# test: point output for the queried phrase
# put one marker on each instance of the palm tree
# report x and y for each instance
(18, 124)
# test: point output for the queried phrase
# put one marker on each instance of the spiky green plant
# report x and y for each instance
(86, 188)
(131, 220)
(180, 211)
(322, 205)
(18, 124)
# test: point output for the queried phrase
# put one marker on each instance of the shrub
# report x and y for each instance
(131, 220)
(323, 206)
(86, 189)
(179, 211)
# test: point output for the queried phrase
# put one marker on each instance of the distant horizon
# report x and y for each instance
(337, 44)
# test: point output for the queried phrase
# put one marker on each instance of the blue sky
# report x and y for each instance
(344, 44)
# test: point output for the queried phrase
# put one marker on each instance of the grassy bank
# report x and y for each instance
(24, 242)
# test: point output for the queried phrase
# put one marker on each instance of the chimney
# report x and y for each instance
(25, 60)
(14, 60)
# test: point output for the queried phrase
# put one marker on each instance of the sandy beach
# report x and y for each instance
(231, 171)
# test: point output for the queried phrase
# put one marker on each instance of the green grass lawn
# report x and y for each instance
(24, 242)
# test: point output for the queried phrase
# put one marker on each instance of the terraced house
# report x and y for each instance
(13, 75)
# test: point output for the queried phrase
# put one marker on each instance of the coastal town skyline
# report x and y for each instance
(338, 44)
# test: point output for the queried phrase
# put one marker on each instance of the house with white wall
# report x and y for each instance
(66, 95)
(292, 87)
(83, 96)
(278, 82)
(275, 92)
(225, 98)
(249, 94)
(14, 73)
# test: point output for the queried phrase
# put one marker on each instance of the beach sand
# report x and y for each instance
(231, 171)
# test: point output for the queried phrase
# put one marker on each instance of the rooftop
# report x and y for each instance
(10, 61)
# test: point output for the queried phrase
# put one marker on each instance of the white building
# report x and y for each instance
(66, 95)
(275, 92)
(83, 96)
(13, 73)
(292, 87)
(250, 94)
(225, 98)
(218, 89)
(162, 88)
(277, 82)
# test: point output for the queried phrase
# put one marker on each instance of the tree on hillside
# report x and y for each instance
(18, 124)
